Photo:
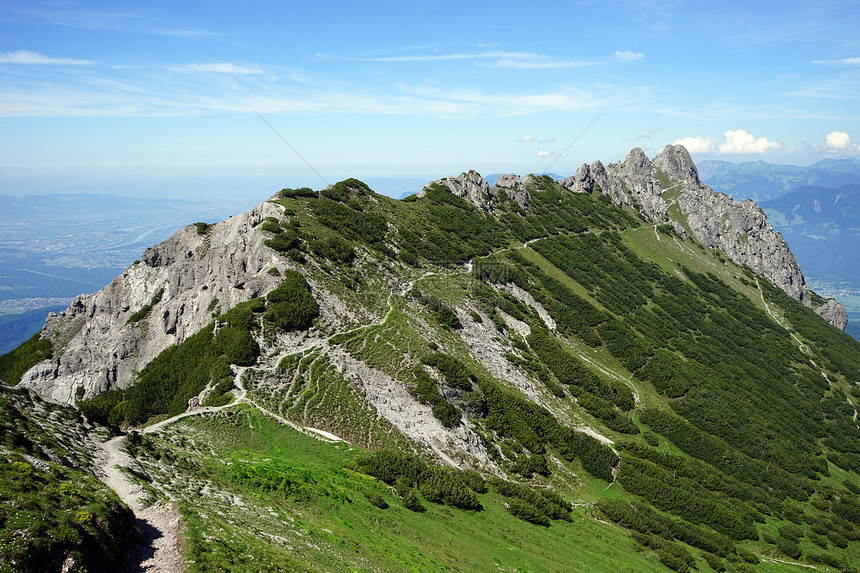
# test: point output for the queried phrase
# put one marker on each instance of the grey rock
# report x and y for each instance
(743, 233)
(514, 187)
(740, 230)
(95, 346)
(834, 313)
(470, 186)
(676, 162)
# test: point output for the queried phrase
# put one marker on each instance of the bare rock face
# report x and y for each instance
(477, 191)
(834, 313)
(97, 347)
(742, 231)
(515, 187)
(628, 184)
(676, 162)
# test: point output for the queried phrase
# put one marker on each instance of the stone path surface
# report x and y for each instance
(160, 547)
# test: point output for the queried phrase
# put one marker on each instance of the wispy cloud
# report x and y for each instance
(75, 17)
(538, 62)
(25, 57)
(495, 58)
(544, 153)
(548, 139)
(219, 68)
(629, 56)
(839, 62)
(647, 133)
(527, 138)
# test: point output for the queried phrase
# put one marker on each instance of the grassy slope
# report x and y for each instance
(335, 528)
(52, 508)
(394, 347)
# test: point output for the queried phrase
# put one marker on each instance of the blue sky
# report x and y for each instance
(415, 89)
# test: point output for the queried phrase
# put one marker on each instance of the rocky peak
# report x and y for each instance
(636, 168)
(100, 343)
(834, 313)
(469, 186)
(676, 162)
(477, 191)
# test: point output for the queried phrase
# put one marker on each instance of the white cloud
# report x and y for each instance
(544, 153)
(836, 140)
(629, 56)
(25, 57)
(735, 142)
(696, 144)
(843, 62)
(220, 68)
(548, 139)
(739, 141)
(527, 138)
(647, 133)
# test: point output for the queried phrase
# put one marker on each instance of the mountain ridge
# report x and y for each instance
(233, 268)
(545, 342)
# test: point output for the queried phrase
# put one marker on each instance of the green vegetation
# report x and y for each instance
(147, 308)
(180, 372)
(308, 506)
(51, 511)
(610, 361)
(291, 306)
(14, 364)
(427, 392)
(443, 313)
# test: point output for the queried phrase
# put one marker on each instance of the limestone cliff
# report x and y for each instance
(97, 347)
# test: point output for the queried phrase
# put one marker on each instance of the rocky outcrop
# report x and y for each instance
(477, 191)
(97, 347)
(743, 233)
(469, 186)
(676, 162)
(629, 184)
(834, 313)
(514, 187)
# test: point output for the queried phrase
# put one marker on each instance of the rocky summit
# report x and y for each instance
(620, 370)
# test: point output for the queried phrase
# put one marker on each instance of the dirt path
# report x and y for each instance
(159, 550)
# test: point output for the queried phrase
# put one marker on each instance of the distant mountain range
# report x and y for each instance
(822, 226)
(762, 181)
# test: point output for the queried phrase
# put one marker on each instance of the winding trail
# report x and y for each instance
(160, 547)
